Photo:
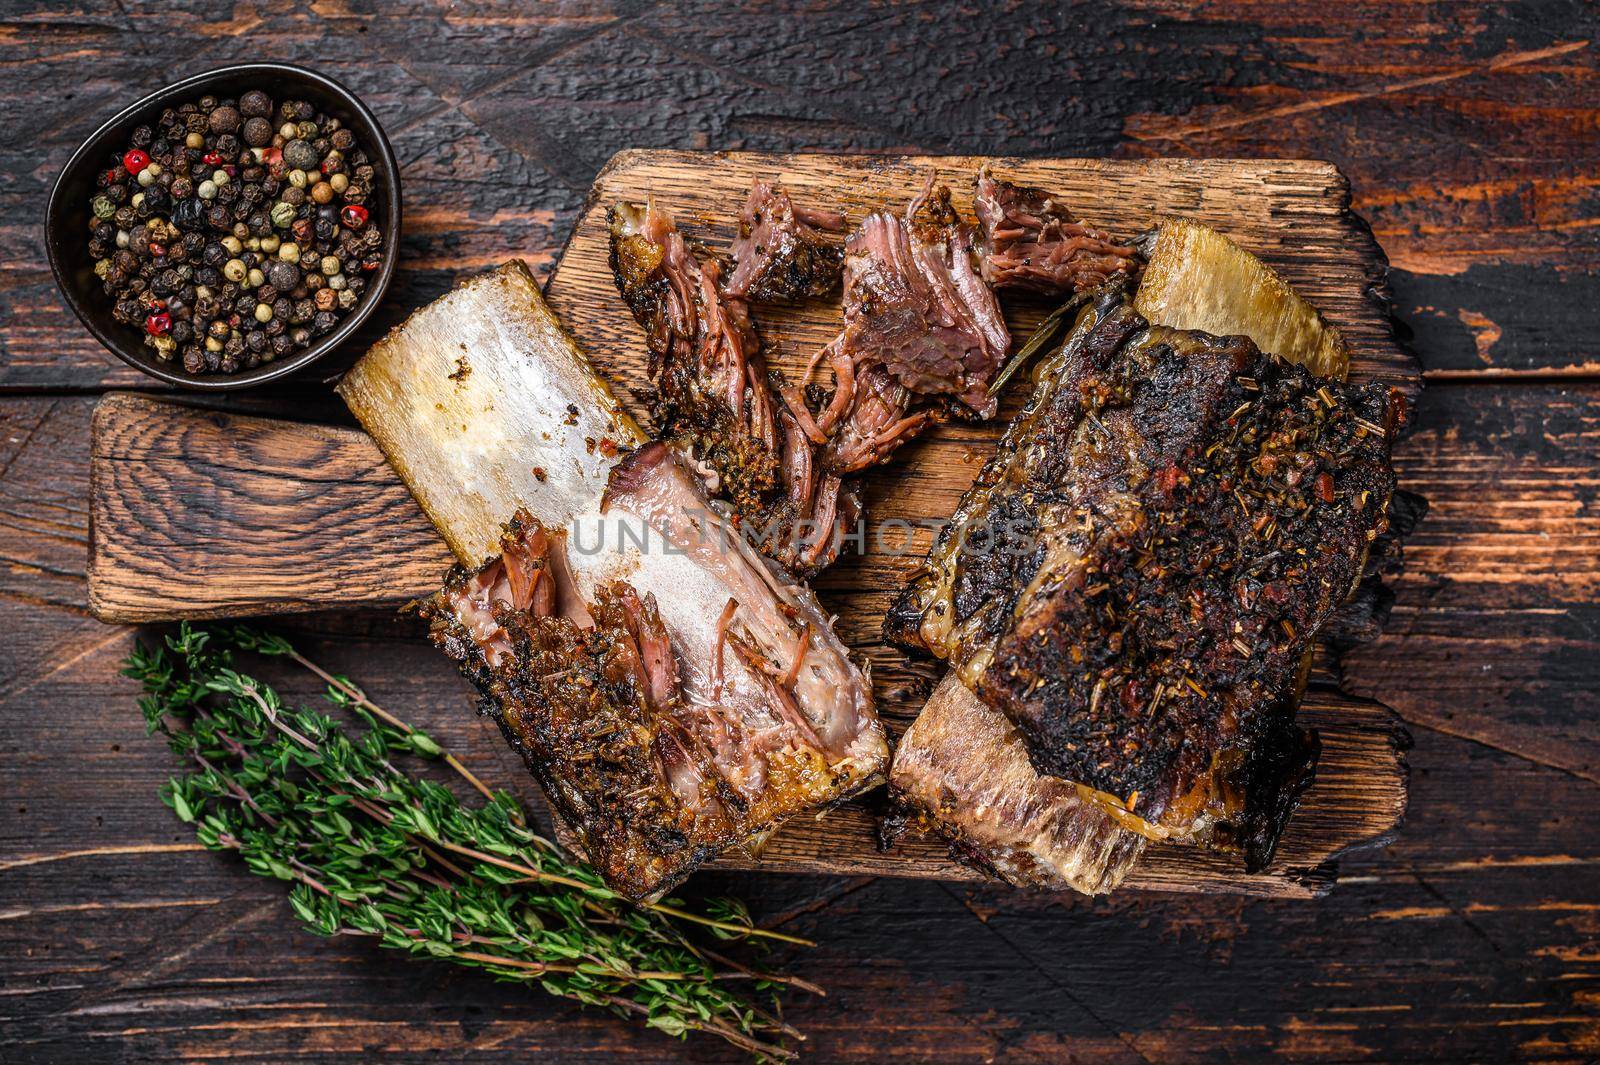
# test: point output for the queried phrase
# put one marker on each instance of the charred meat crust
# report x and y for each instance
(591, 710)
(714, 398)
(1186, 513)
(1031, 241)
(711, 396)
(784, 252)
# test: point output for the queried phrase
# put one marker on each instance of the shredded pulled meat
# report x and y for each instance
(915, 305)
(923, 336)
(1030, 240)
(714, 398)
(711, 397)
(783, 251)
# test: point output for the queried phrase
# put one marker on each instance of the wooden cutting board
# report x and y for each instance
(176, 491)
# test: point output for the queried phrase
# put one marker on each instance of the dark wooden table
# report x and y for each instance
(1471, 134)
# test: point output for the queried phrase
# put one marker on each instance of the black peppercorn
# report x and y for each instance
(283, 276)
(255, 103)
(189, 213)
(257, 132)
(300, 155)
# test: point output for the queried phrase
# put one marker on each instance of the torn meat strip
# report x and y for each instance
(914, 303)
(784, 251)
(923, 336)
(1136, 577)
(714, 397)
(1030, 240)
(711, 396)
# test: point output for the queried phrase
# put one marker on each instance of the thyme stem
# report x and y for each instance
(375, 850)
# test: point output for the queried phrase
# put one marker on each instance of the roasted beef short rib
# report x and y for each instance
(1136, 577)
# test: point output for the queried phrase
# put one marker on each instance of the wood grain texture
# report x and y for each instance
(265, 521)
(324, 523)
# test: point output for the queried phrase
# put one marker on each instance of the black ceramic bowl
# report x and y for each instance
(67, 220)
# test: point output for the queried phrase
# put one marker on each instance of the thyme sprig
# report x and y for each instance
(375, 851)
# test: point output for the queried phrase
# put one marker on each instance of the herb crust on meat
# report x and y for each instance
(1136, 577)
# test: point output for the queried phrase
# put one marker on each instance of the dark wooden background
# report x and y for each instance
(1471, 134)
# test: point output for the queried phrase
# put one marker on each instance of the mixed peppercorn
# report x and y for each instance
(233, 232)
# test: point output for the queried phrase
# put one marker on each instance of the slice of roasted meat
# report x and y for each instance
(1135, 579)
(711, 394)
(671, 693)
(714, 398)
(1030, 240)
(923, 336)
(784, 251)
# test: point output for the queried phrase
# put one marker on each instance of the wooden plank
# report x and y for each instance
(1295, 214)
(201, 514)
